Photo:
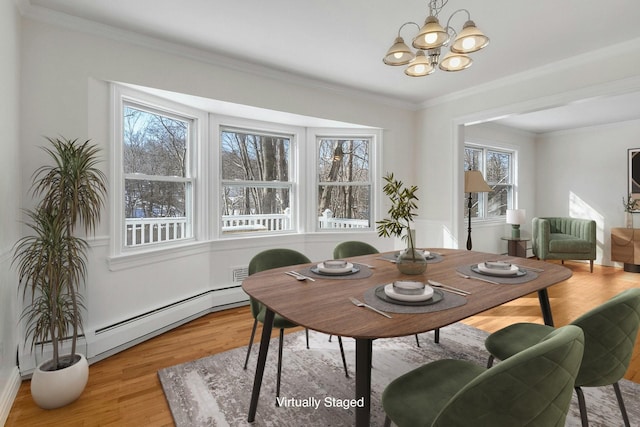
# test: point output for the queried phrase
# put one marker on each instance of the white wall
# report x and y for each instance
(441, 134)
(65, 92)
(9, 199)
(586, 177)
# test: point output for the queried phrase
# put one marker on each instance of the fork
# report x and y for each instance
(300, 276)
(359, 303)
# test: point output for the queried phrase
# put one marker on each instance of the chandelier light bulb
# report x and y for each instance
(430, 38)
(468, 43)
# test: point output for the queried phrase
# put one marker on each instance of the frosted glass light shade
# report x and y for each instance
(431, 35)
(419, 66)
(470, 39)
(398, 54)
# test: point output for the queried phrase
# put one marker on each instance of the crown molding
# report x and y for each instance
(74, 23)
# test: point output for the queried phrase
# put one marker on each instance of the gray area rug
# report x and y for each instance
(215, 390)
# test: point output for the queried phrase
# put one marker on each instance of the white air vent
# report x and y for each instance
(240, 273)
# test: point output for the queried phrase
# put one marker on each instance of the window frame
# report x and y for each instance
(483, 198)
(290, 184)
(124, 96)
(296, 134)
(375, 140)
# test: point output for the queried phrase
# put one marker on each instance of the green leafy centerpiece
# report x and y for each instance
(401, 213)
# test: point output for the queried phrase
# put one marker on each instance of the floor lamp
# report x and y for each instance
(473, 183)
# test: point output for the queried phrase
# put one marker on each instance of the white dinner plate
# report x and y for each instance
(428, 293)
(333, 270)
(498, 271)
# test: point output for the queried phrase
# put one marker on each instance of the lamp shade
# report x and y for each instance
(515, 216)
(474, 182)
(398, 54)
(470, 39)
(431, 35)
(455, 62)
(419, 66)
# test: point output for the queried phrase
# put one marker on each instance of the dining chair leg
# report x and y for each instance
(436, 336)
(490, 361)
(623, 410)
(253, 334)
(583, 407)
(306, 332)
(279, 364)
(344, 359)
(417, 341)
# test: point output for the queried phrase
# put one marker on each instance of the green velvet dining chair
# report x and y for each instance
(356, 248)
(266, 260)
(532, 388)
(610, 332)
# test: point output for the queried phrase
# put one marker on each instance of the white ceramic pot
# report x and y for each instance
(54, 389)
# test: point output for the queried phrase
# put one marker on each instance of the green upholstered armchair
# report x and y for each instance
(610, 332)
(532, 388)
(564, 238)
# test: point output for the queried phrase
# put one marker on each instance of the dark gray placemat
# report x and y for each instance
(531, 275)
(449, 301)
(362, 274)
(393, 255)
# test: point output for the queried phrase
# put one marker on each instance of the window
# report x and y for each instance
(497, 168)
(184, 175)
(158, 186)
(344, 182)
(256, 181)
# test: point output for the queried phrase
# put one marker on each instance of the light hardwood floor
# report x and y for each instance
(124, 389)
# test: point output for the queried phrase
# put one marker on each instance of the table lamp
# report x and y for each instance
(515, 217)
(473, 183)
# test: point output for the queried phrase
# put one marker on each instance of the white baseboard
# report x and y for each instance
(8, 394)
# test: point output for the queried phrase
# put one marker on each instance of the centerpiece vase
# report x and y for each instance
(411, 261)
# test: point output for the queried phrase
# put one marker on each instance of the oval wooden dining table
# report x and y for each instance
(323, 305)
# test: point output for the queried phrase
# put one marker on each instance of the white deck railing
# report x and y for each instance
(144, 231)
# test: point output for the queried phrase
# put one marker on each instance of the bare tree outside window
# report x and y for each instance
(256, 191)
(344, 188)
(157, 185)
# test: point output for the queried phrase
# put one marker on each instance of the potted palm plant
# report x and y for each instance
(51, 264)
(401, 214)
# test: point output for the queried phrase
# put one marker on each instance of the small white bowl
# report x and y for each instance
(335, 263)
(407, 287)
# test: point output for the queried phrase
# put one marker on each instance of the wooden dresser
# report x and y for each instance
(625, 247)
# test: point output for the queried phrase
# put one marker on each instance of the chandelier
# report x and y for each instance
(431, 38)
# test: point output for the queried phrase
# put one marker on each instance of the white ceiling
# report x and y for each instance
(341, 43)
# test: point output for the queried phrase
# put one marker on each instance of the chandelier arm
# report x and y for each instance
(452, 15)
(407, 23)
(435, 6)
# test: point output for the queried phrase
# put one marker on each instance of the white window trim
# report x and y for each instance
(206, 171)
(119, 96)
(375, 173)
(297, 152)
(496, 146)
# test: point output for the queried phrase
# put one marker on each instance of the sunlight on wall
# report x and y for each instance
(578, 208)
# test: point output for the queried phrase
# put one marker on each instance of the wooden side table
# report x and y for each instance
(625, 248)
(517, 247)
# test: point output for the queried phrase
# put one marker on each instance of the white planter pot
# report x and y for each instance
(54, 389)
